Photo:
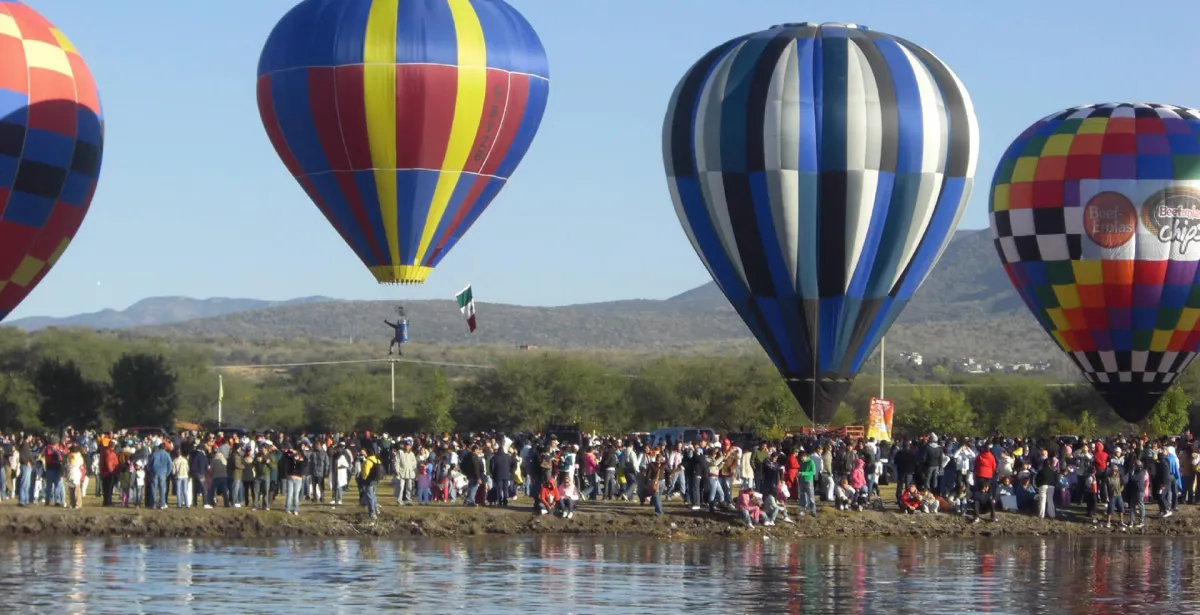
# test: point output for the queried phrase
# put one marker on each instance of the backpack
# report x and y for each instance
(376, 473)
(53, 457)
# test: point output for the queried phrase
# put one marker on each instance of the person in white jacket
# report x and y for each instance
(964, 461)
(405, 469)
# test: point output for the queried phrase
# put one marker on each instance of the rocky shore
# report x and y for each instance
(594, 519)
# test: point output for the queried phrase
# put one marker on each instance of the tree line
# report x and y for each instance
(57, 378)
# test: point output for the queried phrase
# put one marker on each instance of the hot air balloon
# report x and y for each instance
(819, 172)
(402, 120)
(51, 141)
(1095, 212)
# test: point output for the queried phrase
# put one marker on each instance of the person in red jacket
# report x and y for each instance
(985, 467)
(547, 498)
(1100, 462)
(910, 500)
(108, 471)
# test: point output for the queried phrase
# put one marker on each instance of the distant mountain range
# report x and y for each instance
(966, 308)
(157, 311)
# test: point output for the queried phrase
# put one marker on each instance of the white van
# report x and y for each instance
(692, 435)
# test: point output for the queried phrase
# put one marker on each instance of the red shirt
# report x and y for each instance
(985, 465)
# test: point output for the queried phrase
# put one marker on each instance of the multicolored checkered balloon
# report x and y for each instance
(51, 139)
(1095, 212)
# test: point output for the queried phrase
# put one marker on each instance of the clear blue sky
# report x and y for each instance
(193, 201)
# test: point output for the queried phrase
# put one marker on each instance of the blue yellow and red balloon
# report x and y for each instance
(402, 119)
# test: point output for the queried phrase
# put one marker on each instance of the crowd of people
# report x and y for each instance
(1107, 479)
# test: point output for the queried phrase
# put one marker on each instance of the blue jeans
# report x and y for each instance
(472, 492)
(676, 482)
(235, 490)
(372, 501)
(25, 486)
(158, 491)
(808, 498)
(726, 488)
(292, 487)
(54, 487)
(181, 486)
(261, 498)
(656, 500)
(715, 494)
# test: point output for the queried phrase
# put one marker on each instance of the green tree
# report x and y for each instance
(18, 404)
(1013, 406)
(143, 391)
(937, 409)
(433, 409)
(1170, 414)
(65, 397)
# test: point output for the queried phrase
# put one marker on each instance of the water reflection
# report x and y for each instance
(612, 576)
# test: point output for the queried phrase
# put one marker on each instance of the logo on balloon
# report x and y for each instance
(1173, 215)
(1110, 219)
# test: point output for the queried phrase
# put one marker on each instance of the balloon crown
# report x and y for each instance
(809, 24)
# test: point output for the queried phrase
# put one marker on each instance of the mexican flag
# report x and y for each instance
(466, 305)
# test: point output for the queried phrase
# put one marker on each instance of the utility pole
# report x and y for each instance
(882, 363)
(220, 396)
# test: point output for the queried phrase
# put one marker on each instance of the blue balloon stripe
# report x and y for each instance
(860, 282)
(937, 234)
(908, 107)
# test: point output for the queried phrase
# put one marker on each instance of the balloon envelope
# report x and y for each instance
(51, 142)
(1095, 212)
(819, 172)
(402, 120)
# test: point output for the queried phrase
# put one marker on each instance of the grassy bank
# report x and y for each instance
(596, 519)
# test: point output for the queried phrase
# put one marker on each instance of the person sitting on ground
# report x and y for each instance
(568, 496)
(982, 500)
(747, 502)
(844, 495)
(775, 505)
(929, 502)
(1006, 496)
(910, 501)
(547, 498)
(960, 500)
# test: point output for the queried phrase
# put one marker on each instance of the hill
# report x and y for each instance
(156, 311)
(966, 308)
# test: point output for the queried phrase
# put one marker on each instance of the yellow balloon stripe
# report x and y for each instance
(468, 109)
(379, 93)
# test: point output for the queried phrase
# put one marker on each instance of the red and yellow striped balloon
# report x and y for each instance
(402, 119)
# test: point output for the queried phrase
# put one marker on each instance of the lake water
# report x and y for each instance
(600, 575)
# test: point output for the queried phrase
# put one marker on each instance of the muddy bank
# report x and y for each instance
(599, 519)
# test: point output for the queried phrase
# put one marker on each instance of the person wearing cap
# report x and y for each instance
(405, 462)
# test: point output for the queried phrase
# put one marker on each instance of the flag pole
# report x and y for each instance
(220, 396)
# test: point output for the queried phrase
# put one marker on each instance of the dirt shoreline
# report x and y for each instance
(593, 519)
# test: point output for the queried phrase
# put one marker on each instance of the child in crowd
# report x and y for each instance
(844, 495)
(960, 500)
(929, 502)
(748, 503)
(424, 484)
(910, 500)
(568, 494)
